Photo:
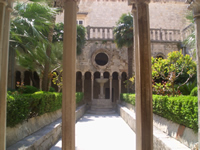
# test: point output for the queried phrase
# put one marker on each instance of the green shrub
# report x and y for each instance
(21, 107)
(79, 97)
(51, 89)
(129, 98)
(187, 88)
(181, 109)
(27, 89)
(194, 92)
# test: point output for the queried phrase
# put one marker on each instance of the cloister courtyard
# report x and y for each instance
(95, 74)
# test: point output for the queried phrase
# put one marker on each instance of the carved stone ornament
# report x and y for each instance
(195, 7)
(4, 2)
(131, 2)
(103, 65)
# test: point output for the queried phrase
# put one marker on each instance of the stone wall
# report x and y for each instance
(100, 13)
(117, 57)
(163, 48)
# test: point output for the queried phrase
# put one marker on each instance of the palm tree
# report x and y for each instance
(124, 37)
(30, 25)
(190, 40)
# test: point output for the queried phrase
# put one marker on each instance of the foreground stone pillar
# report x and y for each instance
(92, 86)
(111, 88)
(144, 114)
(69, 76)
(4, 69)
(3, 4)
(195, 7)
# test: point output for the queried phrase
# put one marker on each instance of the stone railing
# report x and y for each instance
(165, 35)
(187, 31)
(158, 35)
(100, 33)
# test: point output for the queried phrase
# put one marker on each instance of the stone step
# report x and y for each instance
(101, 112)
(101, 109)
(100, 106)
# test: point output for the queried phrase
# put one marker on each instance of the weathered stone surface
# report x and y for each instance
(189, 138)
(28, 127)
(161, 141)
(44, 137)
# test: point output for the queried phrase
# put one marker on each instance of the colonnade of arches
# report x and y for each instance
(85, 82)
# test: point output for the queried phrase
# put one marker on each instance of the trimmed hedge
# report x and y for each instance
(21, 107)
(27, 89)
(182, 109)
(194, 92)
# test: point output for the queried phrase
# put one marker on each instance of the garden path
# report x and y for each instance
(102, 132)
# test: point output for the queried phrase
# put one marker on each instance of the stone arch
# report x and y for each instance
(97, 74)
(27, 80)
(115, 85)
(106, 74)
(78, 81)
(36, 79)
(17, 78)
(123, 84)
(87, 86)
(160, 55)
(96, 86)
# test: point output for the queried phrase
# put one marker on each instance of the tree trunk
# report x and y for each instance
(45, 80)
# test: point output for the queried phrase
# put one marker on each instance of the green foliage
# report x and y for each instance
(162, 88)
(123, 32)
(194, 92)
(172, 68)
(21, 107)
(51, 89)
(79, 97)
(127, 97)
(129, 84)
(187, 88)
(27, 89)
(181, 109)
(81, 33)
(30, 25)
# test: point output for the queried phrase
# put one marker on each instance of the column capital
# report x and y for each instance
(10, 5)
(110, 77)
(4, 2)
(131, 2)
(119, 78)
(134, 8)
(194, 5)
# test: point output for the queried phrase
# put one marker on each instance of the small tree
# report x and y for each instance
(123, 33)
(170, 69)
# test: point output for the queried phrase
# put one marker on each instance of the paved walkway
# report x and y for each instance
(102, 132)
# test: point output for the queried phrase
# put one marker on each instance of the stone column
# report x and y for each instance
(92, 86)
(195, 7)
(111, 88)
(144, 114)
(120, 86)
(4, 43)
(69, 76)
(3, 4)
(83, 78)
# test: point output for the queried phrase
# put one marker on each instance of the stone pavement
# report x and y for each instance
(102, 132)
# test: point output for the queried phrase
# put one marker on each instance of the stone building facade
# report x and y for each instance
(102, 57)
